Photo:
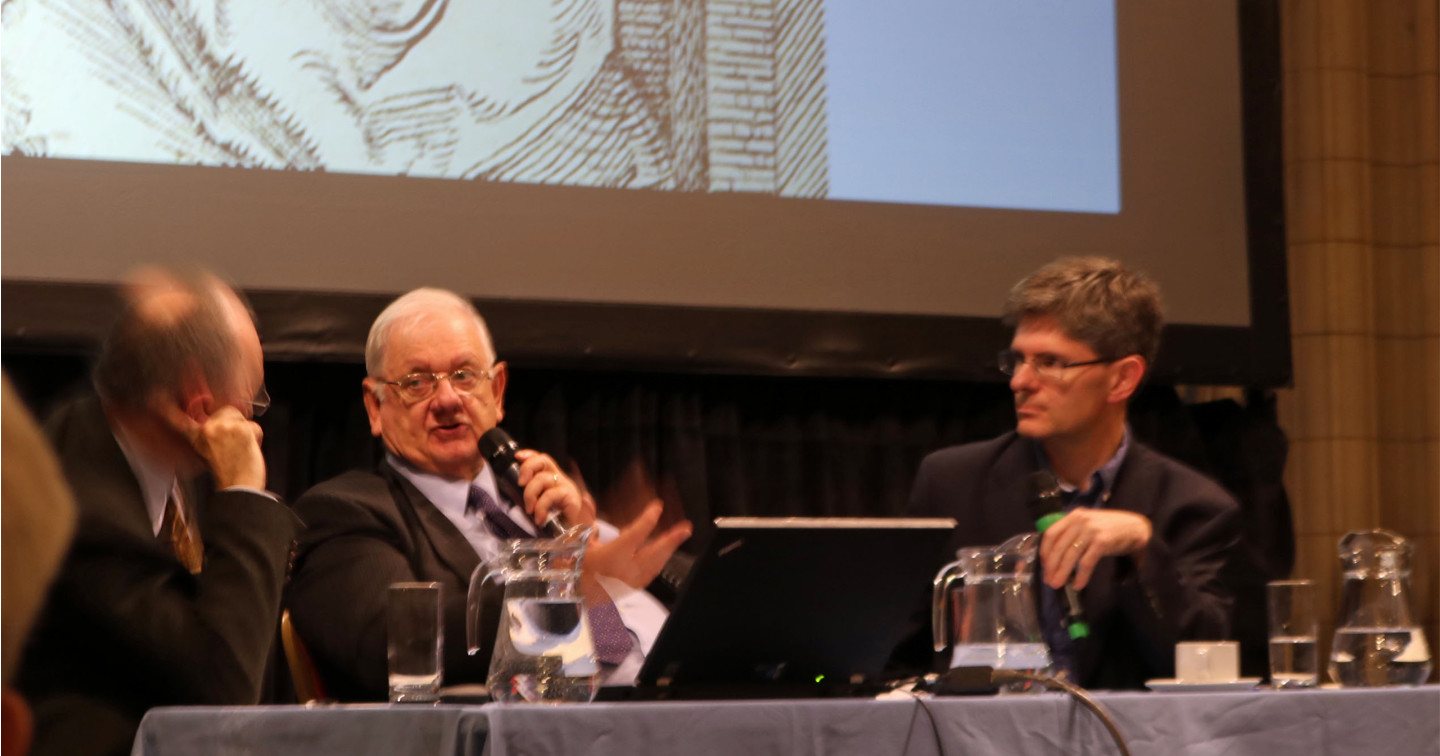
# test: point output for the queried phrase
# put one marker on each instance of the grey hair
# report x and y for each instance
(1114, 310)
(411, 307)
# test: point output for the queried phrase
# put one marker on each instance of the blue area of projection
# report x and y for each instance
(987, 103)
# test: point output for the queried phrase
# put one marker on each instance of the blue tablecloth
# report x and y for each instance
(1394, 722)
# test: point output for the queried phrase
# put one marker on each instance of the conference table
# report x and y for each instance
(1390, 721)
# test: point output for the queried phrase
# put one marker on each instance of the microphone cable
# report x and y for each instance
(1002, 676)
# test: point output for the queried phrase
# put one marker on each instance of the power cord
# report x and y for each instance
(1003, 676)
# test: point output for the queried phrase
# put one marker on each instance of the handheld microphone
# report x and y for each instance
(499, 449)
(1047, 508)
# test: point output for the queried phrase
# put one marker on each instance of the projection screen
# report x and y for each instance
(808, 186)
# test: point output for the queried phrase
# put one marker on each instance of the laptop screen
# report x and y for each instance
(796, 600)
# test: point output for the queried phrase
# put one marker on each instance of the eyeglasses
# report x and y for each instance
(1045, 365)
(415, 387)
(260, 403)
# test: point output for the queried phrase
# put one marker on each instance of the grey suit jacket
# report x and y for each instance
(127, 627)
(1136, 614)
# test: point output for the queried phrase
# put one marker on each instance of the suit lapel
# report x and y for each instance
(448, 543)
(1006, 492)
(1135, 481)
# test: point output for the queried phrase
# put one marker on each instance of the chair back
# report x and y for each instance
(307, 683)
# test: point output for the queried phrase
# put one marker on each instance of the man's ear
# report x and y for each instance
(17, 725)
(195, 397)
(1125, 377)
(372, 404)
(497, 390)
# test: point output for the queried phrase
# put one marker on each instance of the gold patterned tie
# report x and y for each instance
(184, 541)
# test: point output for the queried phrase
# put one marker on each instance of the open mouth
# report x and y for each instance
(449, 429)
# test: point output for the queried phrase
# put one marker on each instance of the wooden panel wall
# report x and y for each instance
(1361, 134)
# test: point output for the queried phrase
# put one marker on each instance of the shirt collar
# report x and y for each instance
(446, 493)
(449, 497)
(1102, 481)
(157, 479)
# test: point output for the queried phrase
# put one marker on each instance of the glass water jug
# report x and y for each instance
(991, 618)
(543, 652)
(1377, 641)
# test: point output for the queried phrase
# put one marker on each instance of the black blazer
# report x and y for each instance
(127, 627)
(364, 531)
(1136, 615)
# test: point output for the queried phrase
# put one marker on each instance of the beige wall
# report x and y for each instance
(1361, 134)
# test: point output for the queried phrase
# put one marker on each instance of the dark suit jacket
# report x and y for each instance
(127, 627)
(1136, 615)
(364, 531)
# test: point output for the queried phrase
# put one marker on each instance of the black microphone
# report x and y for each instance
(499, 449)
(1047, 507)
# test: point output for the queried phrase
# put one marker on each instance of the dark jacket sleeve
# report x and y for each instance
(194, 639)
(1176, 592)
(354, 548)
(357, 544)
(127, 624)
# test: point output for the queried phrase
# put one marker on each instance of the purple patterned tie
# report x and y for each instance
(496, 519)
(612, 639)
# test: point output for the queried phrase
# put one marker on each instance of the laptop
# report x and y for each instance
(792, 607)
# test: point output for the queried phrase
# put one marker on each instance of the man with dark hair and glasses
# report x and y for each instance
(433, 509)
(170, 593)
(1144, 538)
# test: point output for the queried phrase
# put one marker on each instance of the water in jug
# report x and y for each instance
(990, 618)
(1377, 640)
(543, 650)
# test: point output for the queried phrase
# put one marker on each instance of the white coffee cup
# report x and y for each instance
(1207, 661)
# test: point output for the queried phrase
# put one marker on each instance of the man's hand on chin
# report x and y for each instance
(227, 442)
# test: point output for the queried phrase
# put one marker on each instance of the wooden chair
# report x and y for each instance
(307, 683)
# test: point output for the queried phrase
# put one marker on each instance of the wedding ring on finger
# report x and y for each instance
(1078, 545)
(555, 478)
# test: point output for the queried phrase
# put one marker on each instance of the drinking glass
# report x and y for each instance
(1293, 625)
(415, 637)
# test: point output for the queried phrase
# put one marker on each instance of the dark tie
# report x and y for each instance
(612, 640)
(175, 529)
(496, 519)
(1062, 648)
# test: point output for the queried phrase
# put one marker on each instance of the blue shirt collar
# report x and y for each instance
(1102, 481)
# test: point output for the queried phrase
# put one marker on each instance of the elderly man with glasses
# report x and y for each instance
(170, 593)
(433, 510)
(1143, 538)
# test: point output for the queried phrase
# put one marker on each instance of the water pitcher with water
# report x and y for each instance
(1377, 640)
(543, 650)
(990, 617)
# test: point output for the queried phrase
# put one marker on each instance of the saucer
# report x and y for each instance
(1175, 686)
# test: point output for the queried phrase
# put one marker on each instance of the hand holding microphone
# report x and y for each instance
(1047, 508)
(550, 496)
(1075, 542)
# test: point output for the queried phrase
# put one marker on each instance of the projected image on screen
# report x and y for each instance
(613, 93)
(926, 101)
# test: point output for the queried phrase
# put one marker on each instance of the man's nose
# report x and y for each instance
(1024, 378)
(446, 393)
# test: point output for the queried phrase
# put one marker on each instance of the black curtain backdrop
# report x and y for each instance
(720, 445)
